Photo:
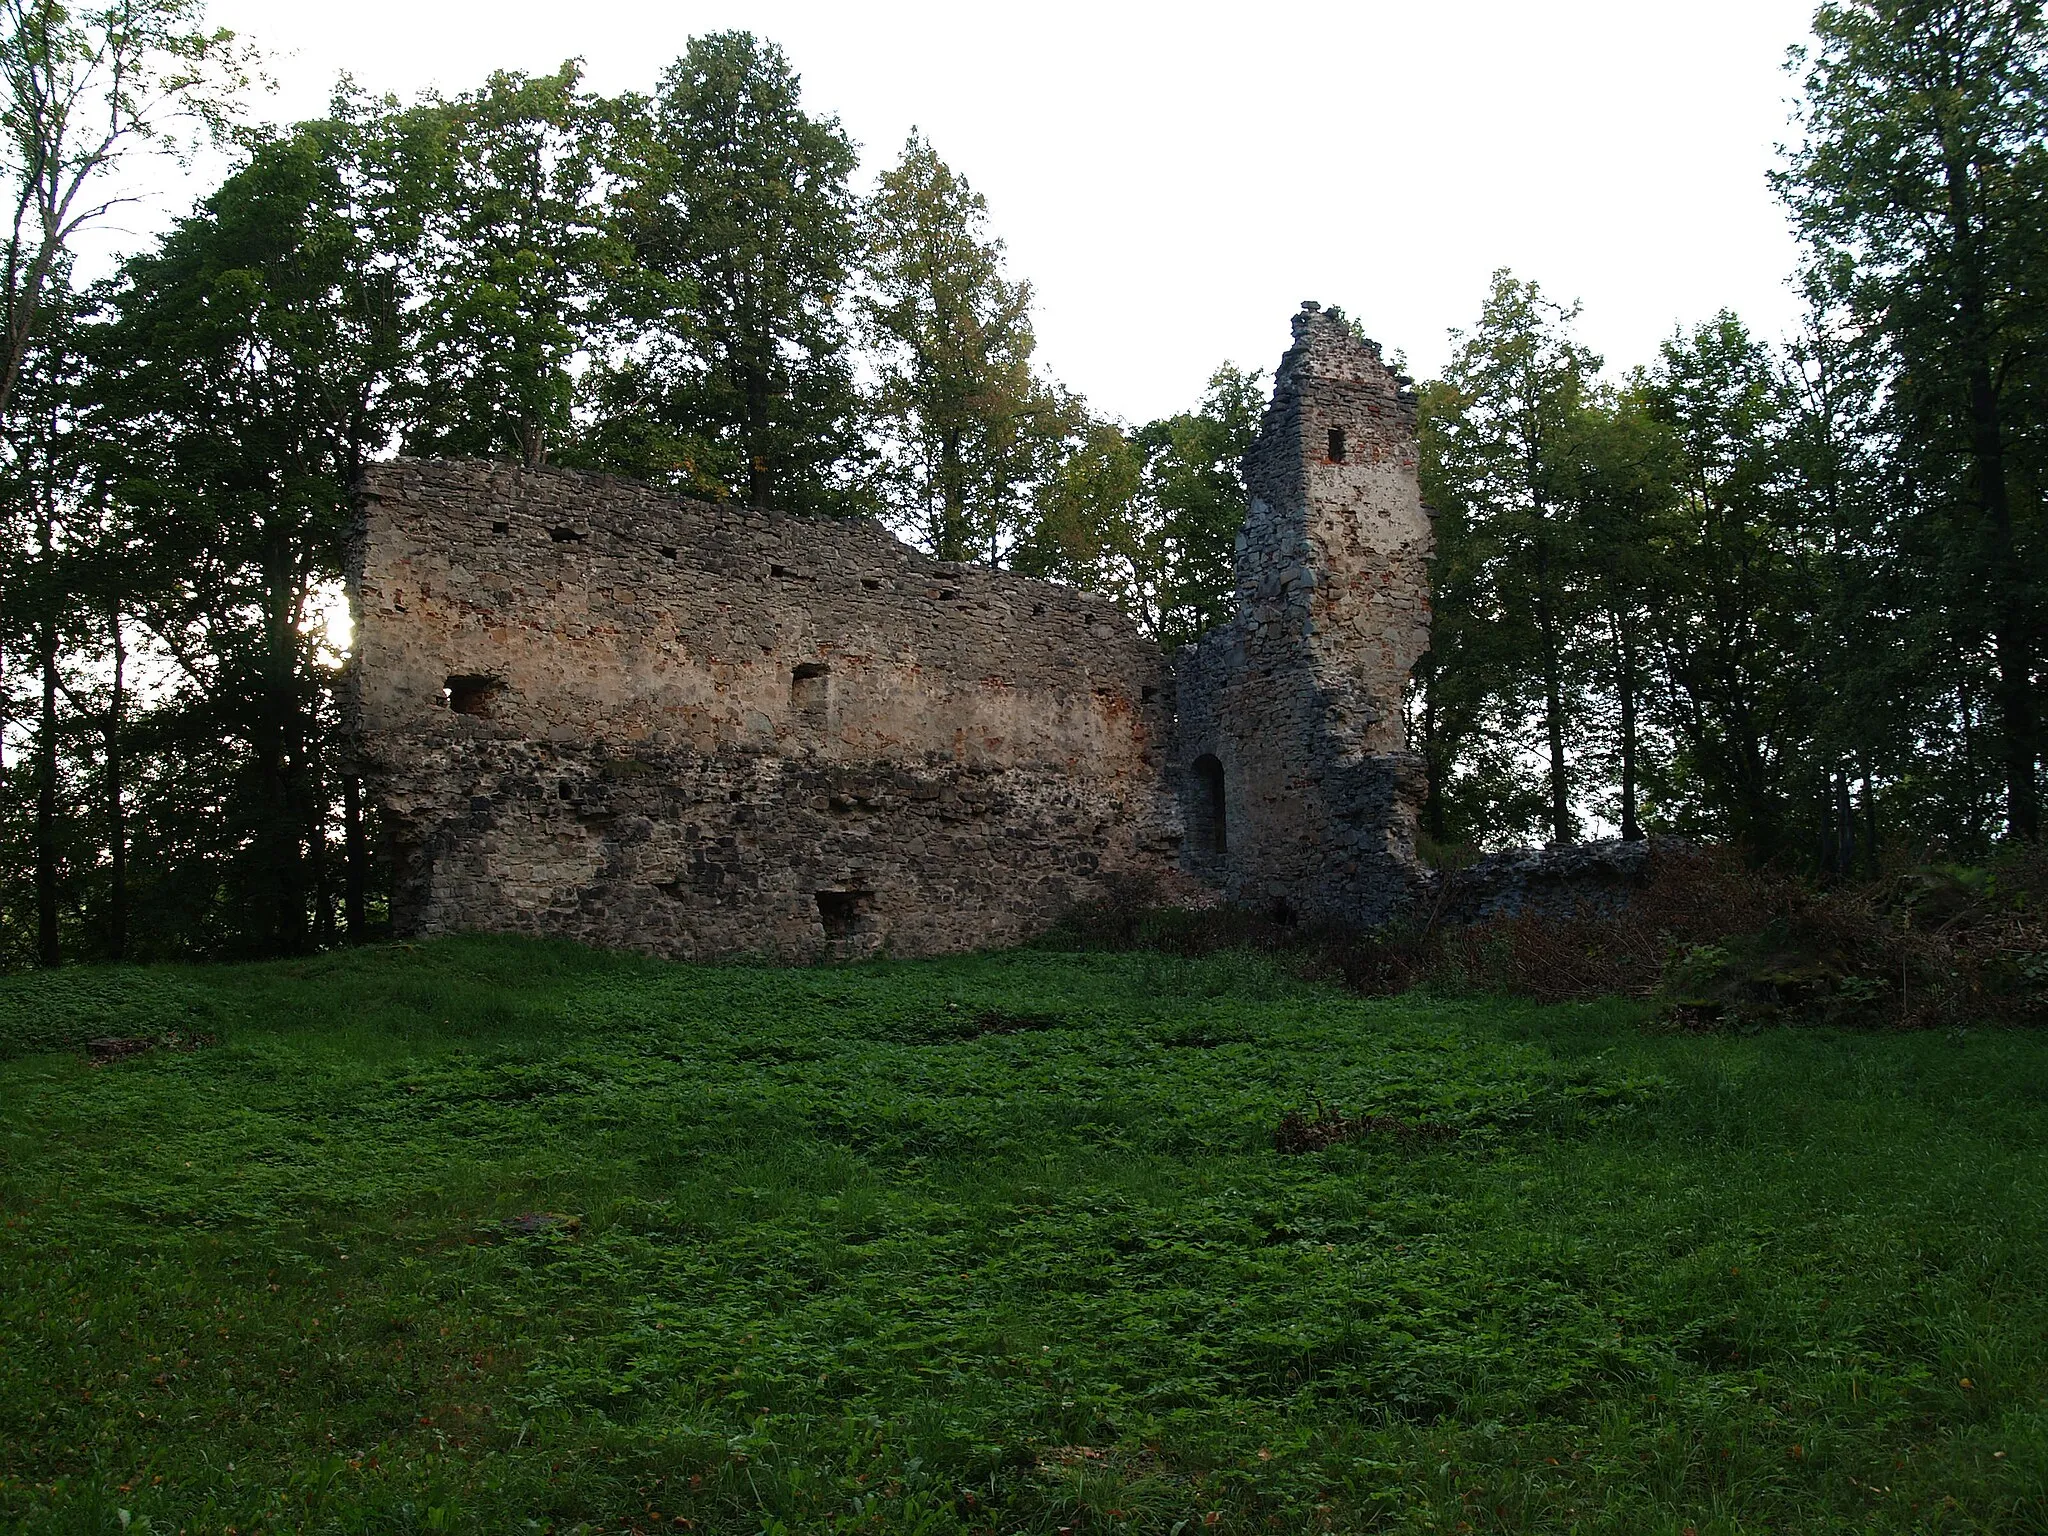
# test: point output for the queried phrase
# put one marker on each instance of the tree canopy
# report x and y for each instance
(1786, 593)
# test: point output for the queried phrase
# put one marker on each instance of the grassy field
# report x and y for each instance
(497, 1237)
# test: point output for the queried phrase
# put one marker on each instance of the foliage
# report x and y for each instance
(515, 248)
(1946, 945)
(1502, 450)
(952, 341)
(827, 1254)
(82, 89)
(1919, 184)
(1714, 942)
(1740, 702)
(1149, 517)
(734, 200)
(247, 372)
(1195, 481)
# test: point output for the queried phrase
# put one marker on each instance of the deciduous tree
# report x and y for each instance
(738, 378)
(956, 403)
(1923, 165)
(515, 246)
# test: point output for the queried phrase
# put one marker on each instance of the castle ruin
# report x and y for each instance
(590, 710)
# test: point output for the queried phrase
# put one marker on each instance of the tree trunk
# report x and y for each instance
(952, 498)
(279, 752)
(1433, 816)
(1824, 804)
(1972, 796)
(1845, 826)
(1553, 702)
(760, 468)
(117, 813)
(1625, 680)
(313, 776)
(2011, 614)
(283, 864)
(1869, 813)
(49, 945)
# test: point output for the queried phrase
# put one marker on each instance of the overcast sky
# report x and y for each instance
(1174, 179)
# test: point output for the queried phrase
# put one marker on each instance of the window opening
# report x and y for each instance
(472, 693)
(810, 693)
(1211, 829)
(1336, 445)
(565, 535)
(843, 913)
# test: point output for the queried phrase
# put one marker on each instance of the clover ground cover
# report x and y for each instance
(492, 1236)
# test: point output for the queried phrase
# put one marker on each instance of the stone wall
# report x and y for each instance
(591, 710)
(1289, 758)
(1584, 880)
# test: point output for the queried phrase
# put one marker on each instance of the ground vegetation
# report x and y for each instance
(484, 1235)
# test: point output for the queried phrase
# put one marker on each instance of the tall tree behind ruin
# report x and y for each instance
(737, 378)
(1151, 517)
(48, 613)
(1503, 448)
(245, 371)
(514, 244)
(1626, 496)
(1923, 167)
(1739, 695)
(1467, 705)
(1087, 522)
(1194, 484)
(82, 89)
(1885, 685)
(951, 337)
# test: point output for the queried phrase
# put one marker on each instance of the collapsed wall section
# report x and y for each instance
(594, 711)
(1289, 758)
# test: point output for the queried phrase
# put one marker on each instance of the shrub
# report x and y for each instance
(1716, 942)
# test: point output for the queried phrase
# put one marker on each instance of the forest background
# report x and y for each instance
(1785, 596)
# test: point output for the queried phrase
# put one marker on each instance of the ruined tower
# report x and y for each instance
(1295, 786)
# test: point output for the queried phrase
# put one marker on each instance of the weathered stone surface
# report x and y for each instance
(1294, 707)
(592, 710)
(1587, 879)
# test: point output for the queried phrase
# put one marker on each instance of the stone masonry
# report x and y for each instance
(1295, 785)
(592, 710)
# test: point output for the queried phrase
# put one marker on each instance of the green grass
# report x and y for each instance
(841, 1261)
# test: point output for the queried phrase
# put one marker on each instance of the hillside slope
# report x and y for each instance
(493, 1236)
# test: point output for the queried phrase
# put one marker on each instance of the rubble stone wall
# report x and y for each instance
(591, 710)
(1584, 880)
(1293, 708)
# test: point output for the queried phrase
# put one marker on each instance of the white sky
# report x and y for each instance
(1173, 179)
